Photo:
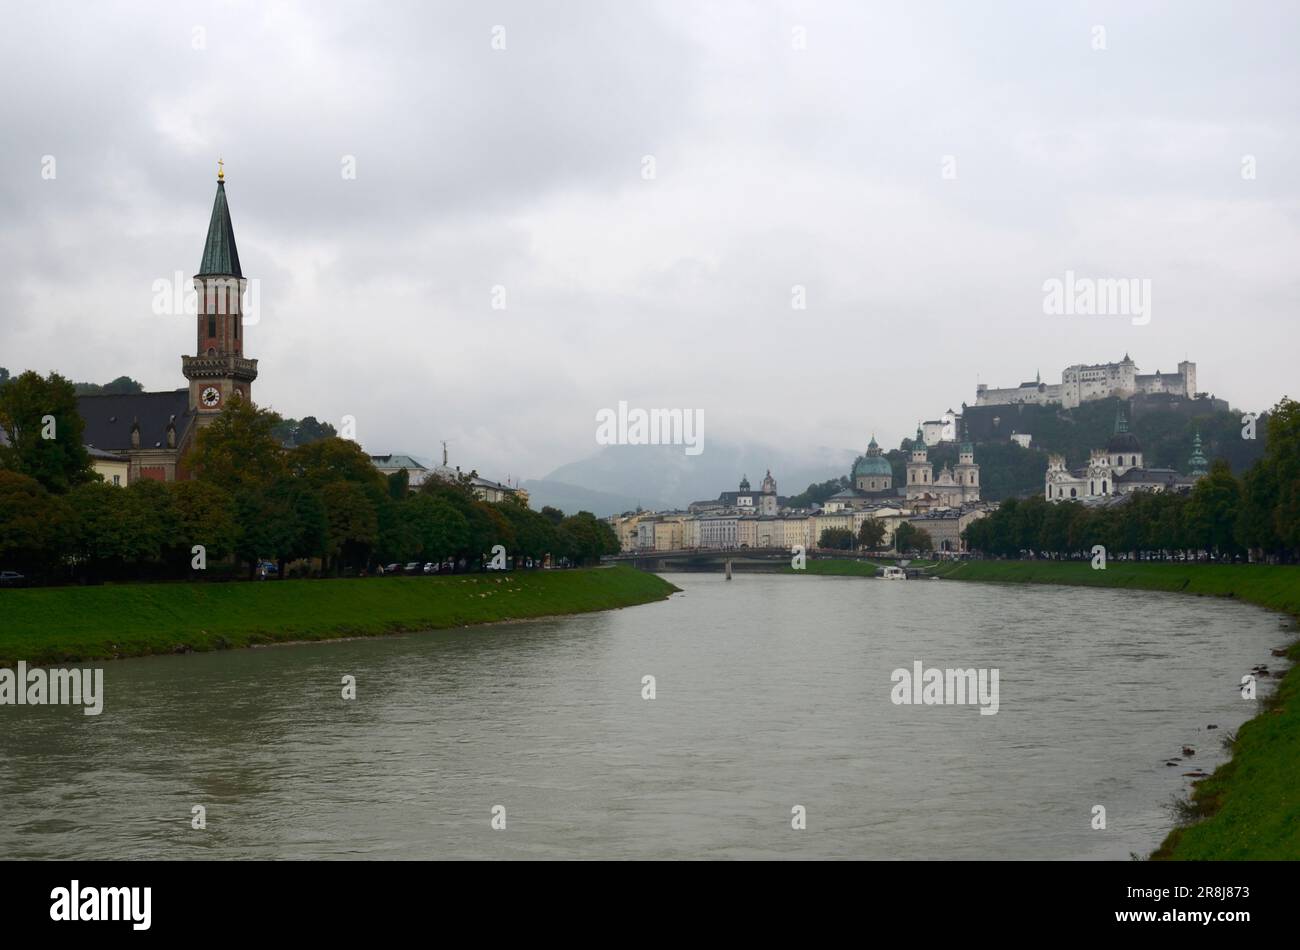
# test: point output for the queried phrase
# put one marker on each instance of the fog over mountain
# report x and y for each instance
(621, 477)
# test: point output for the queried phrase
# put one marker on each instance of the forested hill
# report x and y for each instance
(1165, 428)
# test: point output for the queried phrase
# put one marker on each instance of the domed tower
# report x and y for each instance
(744, 483)
(1123, 451)
(918, 468)
(767, 498)
(873, 472)
(968, 473)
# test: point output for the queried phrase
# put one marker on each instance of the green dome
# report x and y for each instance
(873, 465)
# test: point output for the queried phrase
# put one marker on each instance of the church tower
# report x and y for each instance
(918, 467)
(968, 473)
(218, 370)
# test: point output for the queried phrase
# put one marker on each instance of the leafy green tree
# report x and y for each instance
(113, 528)
(908, 538)
(585, 538)
(332, 460)
(1282, 459)
(871, 534)
(205, 514)
(1212, 511)
(44, 432)
(33, 525)
(818, 492)
(836, 539)
(237, 451)
(399, 484)
(353, 526)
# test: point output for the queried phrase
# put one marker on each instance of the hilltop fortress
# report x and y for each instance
(1083, 383)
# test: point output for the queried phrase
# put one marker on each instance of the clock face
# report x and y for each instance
(211, 397)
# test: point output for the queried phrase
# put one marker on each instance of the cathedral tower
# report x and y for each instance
(918, 467)
(218, 370)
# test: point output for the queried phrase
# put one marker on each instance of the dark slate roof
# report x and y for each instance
(1124, 442)
(108, 418)
(1167, 475)
(220, 256)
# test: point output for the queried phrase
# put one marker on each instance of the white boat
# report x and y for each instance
(894, 574)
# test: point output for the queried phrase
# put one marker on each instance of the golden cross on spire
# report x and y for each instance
(221, 172)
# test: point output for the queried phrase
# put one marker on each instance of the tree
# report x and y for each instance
(871, 534)
(353, 526)
(333, 460)
(205, 514)
(111, 528)
(585, 538)
(910, 538)
(123, 385)
(1212, 510)
(44, 432)
(284, 519)
(33, 524)
(399, 484)
(838, 539)
(236, 451)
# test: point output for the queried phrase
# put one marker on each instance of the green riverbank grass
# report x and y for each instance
(1249, 809)
(58, 624)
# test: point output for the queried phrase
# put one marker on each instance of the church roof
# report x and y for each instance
(220, 256)
(873, 465)
(109, 418)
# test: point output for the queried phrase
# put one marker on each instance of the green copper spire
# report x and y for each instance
(220, 256)
(1121, 423)
(1199, 464)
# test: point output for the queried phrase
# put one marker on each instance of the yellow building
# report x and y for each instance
(113, 469)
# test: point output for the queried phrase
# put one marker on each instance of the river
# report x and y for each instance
(771, 692)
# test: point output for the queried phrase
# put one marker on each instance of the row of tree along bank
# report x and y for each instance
(250, 499)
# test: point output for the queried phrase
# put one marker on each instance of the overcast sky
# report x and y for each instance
(775, 166)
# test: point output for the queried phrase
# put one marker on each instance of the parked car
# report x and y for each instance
(431, 567)
(413, 568)
(393, 569)
(12, 579)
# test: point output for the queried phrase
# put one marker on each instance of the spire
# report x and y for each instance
(1198, 462)
(220, 256)
(1121, 423)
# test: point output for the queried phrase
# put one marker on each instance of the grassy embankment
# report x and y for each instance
(1249, 809)
(58, 624)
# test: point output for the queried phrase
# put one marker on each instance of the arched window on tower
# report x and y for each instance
(212, 326)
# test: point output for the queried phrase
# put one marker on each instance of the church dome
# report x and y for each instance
(876, 465)
(1123, 442)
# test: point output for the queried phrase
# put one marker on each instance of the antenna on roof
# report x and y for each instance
(444, 453)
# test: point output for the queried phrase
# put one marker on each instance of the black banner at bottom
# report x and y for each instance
(139, 899)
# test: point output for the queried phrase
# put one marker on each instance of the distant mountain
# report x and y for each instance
(621, 477)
